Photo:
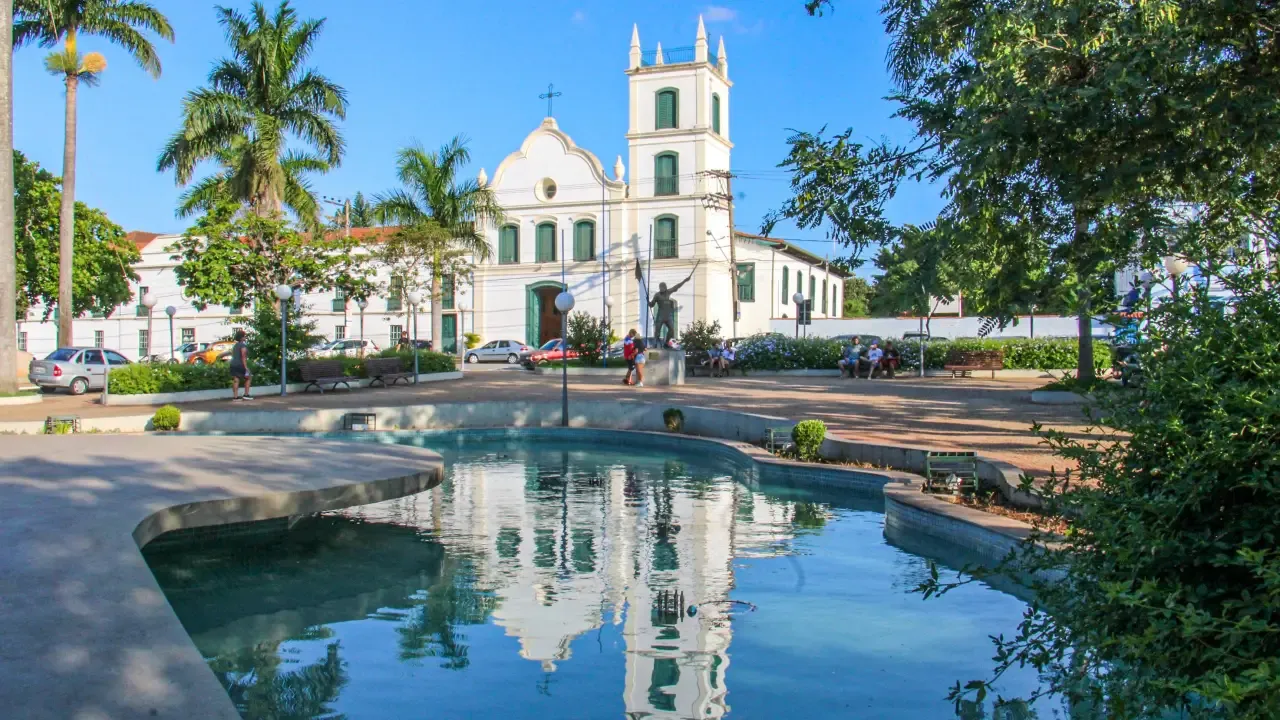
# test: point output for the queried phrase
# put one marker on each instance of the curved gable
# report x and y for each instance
(549, 153)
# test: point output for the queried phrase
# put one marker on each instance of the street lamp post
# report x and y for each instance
(1176, 265)
(148, 302)
(799, 301)
(414, 297)
(608, 320)
(283, 294)
(171, 311)
(362, 304)
(564, 303)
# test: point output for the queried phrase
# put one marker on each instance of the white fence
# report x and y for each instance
(939, 327)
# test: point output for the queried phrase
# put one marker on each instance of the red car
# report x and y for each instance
(551, 351)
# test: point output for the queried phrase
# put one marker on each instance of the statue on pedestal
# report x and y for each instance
(666, 314)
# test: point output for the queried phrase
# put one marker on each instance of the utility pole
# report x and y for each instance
(8, 260)
(346, 211)
(724, 201)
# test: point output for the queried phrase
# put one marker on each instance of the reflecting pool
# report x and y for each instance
(553, 579)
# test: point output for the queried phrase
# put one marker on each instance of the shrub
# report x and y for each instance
(147, 378)
(586, 336)
(674, 419)
(472, 340)
(808, 436)
(701, 336)
(166, 418)
(428, 361)
(262, 329)
(779, 352)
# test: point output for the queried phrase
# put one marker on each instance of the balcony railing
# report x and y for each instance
(666, 186)
(670, 56)
(339, 305)
(665, 248)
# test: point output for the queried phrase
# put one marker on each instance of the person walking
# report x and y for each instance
(240, 368)
(640, 360)
(629, 354)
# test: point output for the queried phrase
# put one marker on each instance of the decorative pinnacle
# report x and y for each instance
(702, 30)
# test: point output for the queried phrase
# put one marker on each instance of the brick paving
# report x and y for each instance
(993, 417)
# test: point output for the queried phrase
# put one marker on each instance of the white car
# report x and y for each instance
(346, 348)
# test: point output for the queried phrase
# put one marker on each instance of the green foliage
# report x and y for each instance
(150, 378)
(857, 297)
(472, 340)
(102, 259)
(233, 258)
(673, 418)
(701, 336)
(261, 102)
(166, 418)
(781, 352)
(123, 24)
(808, 436)
(428, 361)
(262, 336)
(1075, 385)
(586, 336)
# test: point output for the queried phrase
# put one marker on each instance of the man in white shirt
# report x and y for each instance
(874, 356)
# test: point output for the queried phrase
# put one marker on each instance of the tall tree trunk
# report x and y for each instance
(8, 261)
(67, 217)
(437, 312)
(1084, 306)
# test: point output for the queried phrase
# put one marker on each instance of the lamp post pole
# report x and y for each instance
(171, 311)
(284, 293)
(799, 301)
(148, 302)
(362, 304)
(564, 303)
(414, 297)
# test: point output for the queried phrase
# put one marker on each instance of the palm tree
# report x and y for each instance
(431, 192)
(53, 22)
(255, 101)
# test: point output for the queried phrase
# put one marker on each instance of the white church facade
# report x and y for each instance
(611, 236)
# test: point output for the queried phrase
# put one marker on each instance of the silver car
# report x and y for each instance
(76, 369)
(507, 351)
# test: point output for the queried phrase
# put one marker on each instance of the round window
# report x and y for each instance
(547, 189)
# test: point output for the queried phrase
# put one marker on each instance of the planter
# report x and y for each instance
(1059, 397)
(225, 393)
(32, 399)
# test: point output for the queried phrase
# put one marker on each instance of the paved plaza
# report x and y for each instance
(993, 417)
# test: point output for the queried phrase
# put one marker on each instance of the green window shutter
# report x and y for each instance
(799, 282)
(546, 249)
(509, 245)
(395, 296)
(715, 114)
(584, 241)
(813, 288)
(746, 282)
(666, 174)
(786, 291)
(824, 296)
(667, 110)
(446, 292)
(666, 238)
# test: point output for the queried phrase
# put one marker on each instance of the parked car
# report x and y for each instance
(180, 353)
(76, 369)
(551, 351)
(508, 351)
(210, 354)
(343, 348)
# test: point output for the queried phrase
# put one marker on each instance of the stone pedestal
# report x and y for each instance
(664, 367)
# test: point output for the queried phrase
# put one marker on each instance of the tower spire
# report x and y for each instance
(700, 43)
(657, 57)
(635, 46)
(721, 59)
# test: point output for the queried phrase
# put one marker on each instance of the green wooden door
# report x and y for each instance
(449, 331)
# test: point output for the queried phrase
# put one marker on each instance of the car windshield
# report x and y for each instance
(63, 354)
(550, 345)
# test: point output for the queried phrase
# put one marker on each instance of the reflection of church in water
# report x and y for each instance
(566, 557)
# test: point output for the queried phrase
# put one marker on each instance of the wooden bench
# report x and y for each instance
(962, 363)
(954, 471)
(693, 363)
(318, 373)
(777, 438)
(386, 370)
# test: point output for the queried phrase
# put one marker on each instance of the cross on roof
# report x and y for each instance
(550, 95)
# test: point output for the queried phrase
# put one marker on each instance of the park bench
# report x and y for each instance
(693, 363)
(318, 373)
(952, 470)
(962, 363)
(777, 438)
(386, 371)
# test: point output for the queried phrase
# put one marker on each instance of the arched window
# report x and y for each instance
(824, 296)
(666, 174)
(715, 113)
(545, 250)
(799, 282)
(835, 300)
(813, 288)
(509, 245)
(667, 106)
(584, 241)
(786, 289)
(666, 237)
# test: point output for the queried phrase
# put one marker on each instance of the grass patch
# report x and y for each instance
(20, 393)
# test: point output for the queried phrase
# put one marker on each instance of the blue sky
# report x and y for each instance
(425, 71)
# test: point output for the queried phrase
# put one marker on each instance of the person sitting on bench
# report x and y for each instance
(727, 357)
(874, 356)
(713, 358)
(892, 359)
(849, 362)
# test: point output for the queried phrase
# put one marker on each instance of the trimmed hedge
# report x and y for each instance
(149, 378)
(779, 352)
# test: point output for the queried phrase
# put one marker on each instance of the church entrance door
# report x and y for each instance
(542, 322)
